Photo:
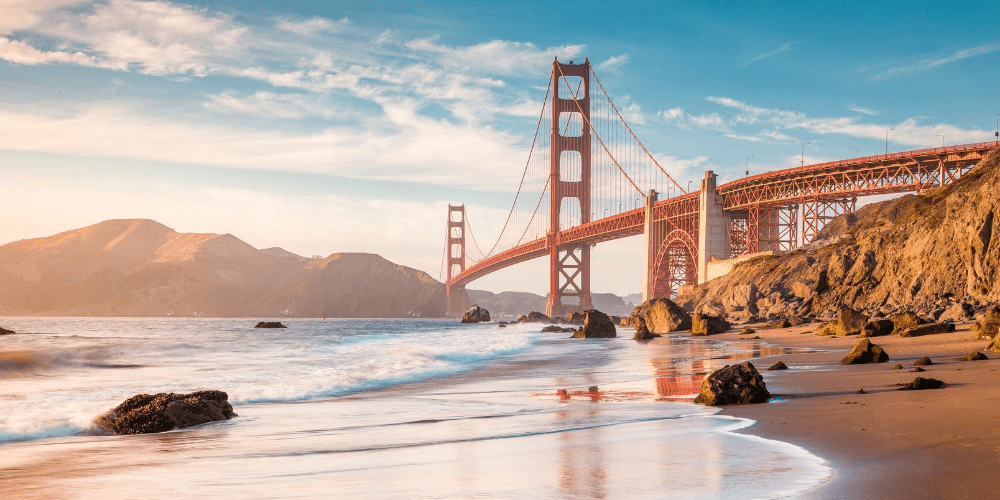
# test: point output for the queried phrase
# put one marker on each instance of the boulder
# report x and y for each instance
(877, 328)
(897, 366)
(270, 324)
(4, 331)
(557, 329)
(973, 356)
(990, 325)
(663, 316)
(924, 361)
(626, 321)
(741, 298)
(849, 322)
(534, 317)
(921, 383)
(780, 365)
(502, 325)
(733, 384)
(958, 312)
(927, 329)
(641, 332)
(574, 318)
(865, 352)
(703, 324)
(804, 289)
(596, 325)
(148, 413)
(476, 314)
(995, 345)
(748, 331)
(902, 321)
(916, 369)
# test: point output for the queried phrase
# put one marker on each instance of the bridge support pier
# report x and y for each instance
(713, 228)
(652, 243)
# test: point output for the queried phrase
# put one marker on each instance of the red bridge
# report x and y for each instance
(590, 180)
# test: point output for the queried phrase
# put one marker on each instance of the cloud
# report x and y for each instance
(24, 14)
(613, 63)
(681, 119)
(928, 63)
(273, 105)
(864, 111)
(313, 26)
(784, 48)
(18, 52)
(497, 56)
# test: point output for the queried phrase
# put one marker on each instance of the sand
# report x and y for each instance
(885, 443)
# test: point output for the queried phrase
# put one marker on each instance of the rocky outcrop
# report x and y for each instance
(663, 316)
(574, 318)
(921, 383)
(557, 329)
(4, 331)
(733, 385)
(534, 317)
(865, 352)
(903, 320)
(877, 328)
(916, 252)
(476, 314)
(270, 324)
(927, 329)
(780, 365)
(849, 322)
(973, 356)
(641, 332)
(149, 413)
(703, 324)
(989, 326)
(924, 361)
(596, 325)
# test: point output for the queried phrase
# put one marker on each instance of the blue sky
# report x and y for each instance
(323, 127)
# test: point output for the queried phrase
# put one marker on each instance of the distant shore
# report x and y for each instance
(890, 444)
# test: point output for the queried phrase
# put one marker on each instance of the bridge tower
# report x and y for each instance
(569, 178)
(456, 297)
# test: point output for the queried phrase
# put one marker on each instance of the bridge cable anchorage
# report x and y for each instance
(576, 101)
(620, 117)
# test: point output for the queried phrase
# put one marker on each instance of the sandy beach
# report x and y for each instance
(884, 443)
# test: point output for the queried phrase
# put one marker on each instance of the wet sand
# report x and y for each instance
(886, 443)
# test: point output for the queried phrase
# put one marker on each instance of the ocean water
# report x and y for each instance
(379, 409)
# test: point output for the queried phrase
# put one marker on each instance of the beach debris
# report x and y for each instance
(780, 365)
(973, 356)
(926, 329)
(865, 352)
(733, 384)
(921, 383)
(662, 316)
(897, 366)
(641, 332)
(476, 314)
(917, 369)
(748, 331)
(924, 361)
(149, 413)
(534, 317)
(877, 328)
(704, 324)
(4, 331)
(270, 324)
(596, 325)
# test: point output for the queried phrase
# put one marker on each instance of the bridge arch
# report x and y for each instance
(676, 264)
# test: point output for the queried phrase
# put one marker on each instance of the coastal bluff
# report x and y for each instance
(139, 267)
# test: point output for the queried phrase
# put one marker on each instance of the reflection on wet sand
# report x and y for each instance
(582, 471)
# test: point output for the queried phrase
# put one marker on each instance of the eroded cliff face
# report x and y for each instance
(914, 252)
(140, 267)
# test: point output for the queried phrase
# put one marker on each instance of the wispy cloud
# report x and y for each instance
(864, 111)
(613, 63)
(929, 63)
(760, 57)
(309, 27)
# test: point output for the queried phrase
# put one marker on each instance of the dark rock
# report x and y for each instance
(897, 366)
(924, 361)
(921, 383)
(916, 369)
(534, 317)
(574, 318)
(861, 391)
(476, 314)
(557, 329)
(987, 329)
(270, 324)
(703, 324)
(641, 332)
(4, 331)
(748, 331)
(780, 365)
(928, 329)
(502, 325)
(146, 413)
(596, 325)
(865, 352)
(733, 384)
(663, 316)
(973, 356)
(782, 323)
(877, 328)
(902, 321)
(849, 322)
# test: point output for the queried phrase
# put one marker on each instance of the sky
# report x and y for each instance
(325, 127)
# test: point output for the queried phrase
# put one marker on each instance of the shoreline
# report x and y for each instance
(939, 443)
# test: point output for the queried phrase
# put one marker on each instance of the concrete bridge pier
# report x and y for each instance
(713, 227)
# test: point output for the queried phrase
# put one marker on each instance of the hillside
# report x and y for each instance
(140, 267)
(916, 252)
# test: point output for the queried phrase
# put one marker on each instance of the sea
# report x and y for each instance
(380, 409)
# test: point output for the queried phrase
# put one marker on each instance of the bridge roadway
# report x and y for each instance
(907, 171)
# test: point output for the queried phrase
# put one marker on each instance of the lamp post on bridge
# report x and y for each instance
(803, 159)
(887, 140)
(748, 165)
(857, 151)
(942, 139)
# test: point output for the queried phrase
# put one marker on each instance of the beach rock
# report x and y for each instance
(781, 323)
(733, 384)
(741, 298)
(897, 366)
(973, 356)
(916, 369)
(270, 324)
(865, 352)
(877, 328)
(780, 365)
(596, 325)
(849, 322)
(902, 321)
(958, 312)
(641, 332)
(703, 324)
(476, 314)
(989, 326)
(663, 316)
(995, 345)
(927, 329)
(501, 325)
(4, 331)
(748, 331)
(534, 317)
(574, 318)
(924, 361)
(921, 383)
(149, 413)
(557, 329)
(626, 321)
